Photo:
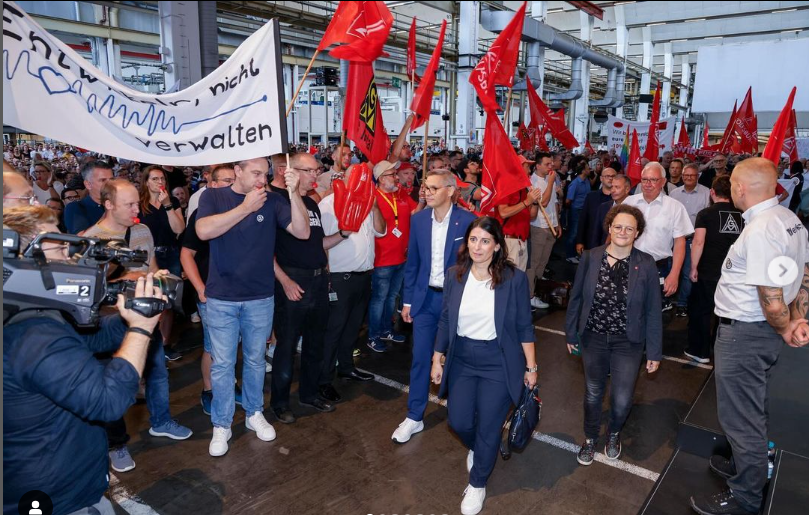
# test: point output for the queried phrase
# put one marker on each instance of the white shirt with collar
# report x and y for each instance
(355, 253)
(438, 240)
(541, 183)
(694, 201)
(324, 181)
(666, 219)
(770, 231)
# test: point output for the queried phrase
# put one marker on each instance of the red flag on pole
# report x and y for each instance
(364, 27)
(744, 123)
(502, 173)
(339, 24)
(525, 137)
(684, 140)
(553, 122)
(790, 141)
(705, 135)
(411, 53)
(652, 152)
(724, 145)
(423, 97)
(589, 147)
(362, 118)
(776, 142)
(633, 164)
(496, 68)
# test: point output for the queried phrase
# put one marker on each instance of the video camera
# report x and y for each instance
(77, 287)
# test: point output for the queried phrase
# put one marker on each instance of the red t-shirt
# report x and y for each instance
(391, 250)
(519, 225)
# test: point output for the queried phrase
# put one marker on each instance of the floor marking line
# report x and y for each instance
(128, 501)
(670, 358)
(551, 440)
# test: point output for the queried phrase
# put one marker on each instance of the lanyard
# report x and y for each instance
(393, 205)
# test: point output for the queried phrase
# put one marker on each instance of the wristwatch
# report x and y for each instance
(532, 369)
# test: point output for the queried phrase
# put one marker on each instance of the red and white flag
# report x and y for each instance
(633, 164)
(362, 117)
(652, 152)
(779, 131)
(502, 173)
(411, 53)
(362, 26)
(744, 124)
(421, 105)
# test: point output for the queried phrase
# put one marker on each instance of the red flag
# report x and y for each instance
(539, 138)
(589, 147)
(683, 140)
(526, 141)
(790, 143)
(362, 119)
(736, 145)
(724, 145)
(705, 135)
(776, 142)
(337, 30)
(364, 27)
(502, 173)
(553, 122)
(633, 165)
(411, 53)
(744, 123)
(423, 97)
(652, 152)
(497, 66)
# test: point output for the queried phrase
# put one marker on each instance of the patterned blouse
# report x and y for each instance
(608, 313)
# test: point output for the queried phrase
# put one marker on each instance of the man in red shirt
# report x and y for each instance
(390, 254)
(515, 214)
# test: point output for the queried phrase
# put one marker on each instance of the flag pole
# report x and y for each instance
(339, 162)
(288, 188)
(424, 157)
(506, 115)
(545, 215)
(300, 84)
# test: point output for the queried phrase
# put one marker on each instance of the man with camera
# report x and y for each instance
(55, 392)
(121, 203)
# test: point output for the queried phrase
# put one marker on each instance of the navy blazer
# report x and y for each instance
(419, 252)
(512, 321)
(644, 317)
(601, 215)
(587, 232)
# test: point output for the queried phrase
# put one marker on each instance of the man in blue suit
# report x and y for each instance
(436, 234)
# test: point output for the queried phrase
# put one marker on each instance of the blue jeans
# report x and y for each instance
(227, 320)
(685, 280)
(386, 282)
(572, 232)
(169, 259)
(202, 309)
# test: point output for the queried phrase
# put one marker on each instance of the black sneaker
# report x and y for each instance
(319, 404)
(722, 467)
(329, 393)
(284, 415)
(587, 452)
(682, 311)
(613, 447)
(667, 306)
(722, 503)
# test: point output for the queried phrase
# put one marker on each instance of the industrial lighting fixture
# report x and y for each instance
(656, 23)
(784, 11)
(790, 31)
(695, 19)
(623, 3)
(714, 37)
(555, 10)
(677, 40)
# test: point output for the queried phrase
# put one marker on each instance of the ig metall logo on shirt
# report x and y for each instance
(728, 264)
(260, 218)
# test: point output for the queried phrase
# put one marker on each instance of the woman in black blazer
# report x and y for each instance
(614, 311)
(487, 334)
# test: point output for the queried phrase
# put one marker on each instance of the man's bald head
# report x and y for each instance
(753, 181)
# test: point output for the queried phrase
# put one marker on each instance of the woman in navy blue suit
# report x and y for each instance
(487, 334)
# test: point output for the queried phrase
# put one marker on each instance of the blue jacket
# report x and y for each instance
(512, 321)
(601, 215)
(417, 267)
(588, 230)
(644, 318)
(82, 214)
(55, 393)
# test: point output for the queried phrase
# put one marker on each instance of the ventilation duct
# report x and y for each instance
(609, 95)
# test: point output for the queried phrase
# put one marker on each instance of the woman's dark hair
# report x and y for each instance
(627, 210)
(145, 196)
(721, 186)
(617, 166)
(795, 169)
(500, 262)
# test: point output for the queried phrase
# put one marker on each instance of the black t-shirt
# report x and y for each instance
(723, 223)
(202, 248)
(176, 178)
(157, 220)
(292, 252)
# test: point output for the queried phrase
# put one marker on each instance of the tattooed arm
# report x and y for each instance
(800, 306)
(775, 310)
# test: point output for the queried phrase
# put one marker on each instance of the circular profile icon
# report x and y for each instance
(35, 502)
(782, 271)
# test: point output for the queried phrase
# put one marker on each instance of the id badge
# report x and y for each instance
(396, 232)
(332, 296)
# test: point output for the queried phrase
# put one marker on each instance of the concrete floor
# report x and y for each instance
(345, 463)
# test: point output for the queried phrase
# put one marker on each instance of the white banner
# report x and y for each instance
(235, 113)
(616, 129)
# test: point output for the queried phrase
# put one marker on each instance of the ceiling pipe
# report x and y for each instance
(609, 94)
(576, 89)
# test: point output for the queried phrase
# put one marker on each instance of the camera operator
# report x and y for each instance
(55, 391)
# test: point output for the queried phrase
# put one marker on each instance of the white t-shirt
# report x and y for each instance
(539, 221)
(438, 243)
(666, 219)
(476, 314)
(45, 195)
(770, 231)
(356, 253)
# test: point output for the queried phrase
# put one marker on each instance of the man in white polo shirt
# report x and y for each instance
(667, 225)
(542, 236)
(755, 320)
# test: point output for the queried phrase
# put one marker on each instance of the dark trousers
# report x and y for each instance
(345, 320)
(701, 321)
(478, 402)
(156, 377)
(615, 356)
(425, 327)
(308, 318)
(744, 356)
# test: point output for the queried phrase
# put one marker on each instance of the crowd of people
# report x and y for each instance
(467, 281)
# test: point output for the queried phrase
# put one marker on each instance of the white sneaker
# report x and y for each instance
(573, 260)
(407, 429)
(470, 460)
(536, 302)
(264, 430)
(697, 358)
(473, 500)
(195, 319)
(219, 442)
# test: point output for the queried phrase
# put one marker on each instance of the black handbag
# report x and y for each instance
(520, 425)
